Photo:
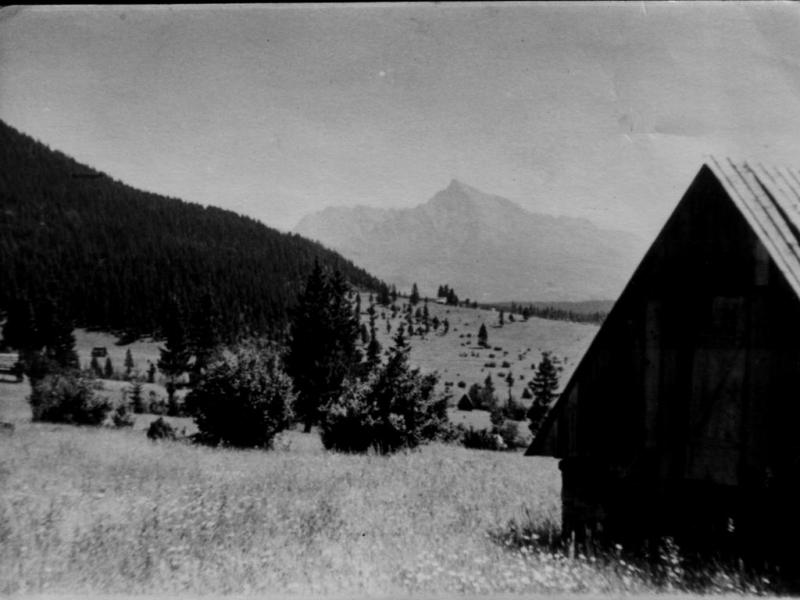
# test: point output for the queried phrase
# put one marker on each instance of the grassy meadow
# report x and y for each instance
(100, 510)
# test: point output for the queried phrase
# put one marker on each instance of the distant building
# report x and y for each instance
(683, 417)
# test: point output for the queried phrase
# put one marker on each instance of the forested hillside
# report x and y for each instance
(107, 256)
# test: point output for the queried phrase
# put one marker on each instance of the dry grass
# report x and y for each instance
(460, 359)
(107, 511)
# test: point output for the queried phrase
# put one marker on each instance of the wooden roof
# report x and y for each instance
(769, 200)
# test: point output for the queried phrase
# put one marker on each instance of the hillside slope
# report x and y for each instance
(487, 247)
(109, 256)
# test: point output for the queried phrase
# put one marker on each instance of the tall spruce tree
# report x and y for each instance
(128, 363)
(108, 369)
(323, 347)
(483, 336)
(374, 346)
(176, 352)
(544, 386)
(414, 297)
(204, 334)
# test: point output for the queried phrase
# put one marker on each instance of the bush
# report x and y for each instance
(509, 431)
(462, 384)
(394, 408)
(161, 430)
(506, 364)
(515, 410)
(480, 439)
(122, 416)
(244, 399)
(137, 398)
(67, 398)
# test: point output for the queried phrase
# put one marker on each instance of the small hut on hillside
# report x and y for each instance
(683, 417)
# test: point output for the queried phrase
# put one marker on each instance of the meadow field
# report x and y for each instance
(100, 510)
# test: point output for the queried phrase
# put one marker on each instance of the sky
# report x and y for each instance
(603, 110)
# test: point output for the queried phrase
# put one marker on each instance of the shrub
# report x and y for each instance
(137, 398)
(394, 408)
(515, 410)
(462, 384)
(161, 430)
(506, 364)
(490, 365)
(509, 431)
(122, 416)
(67, 398)
(479, 439)
(244, 399)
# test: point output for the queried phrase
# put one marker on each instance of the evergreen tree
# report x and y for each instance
(374, 347)
(95, 368)
(323, 347)
(501, 318)
(544, 386)
(204, 334)
(108, 370)
(151, 373)
(483, 336)
(384, 298)
(394, 293)
(357, 307)
(128, 363)
(137, 398)
(414, 297)
(176, 353)
(488, 400)
(510, 380)
(446, 326)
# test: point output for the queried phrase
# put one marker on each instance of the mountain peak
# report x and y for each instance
(456, 185)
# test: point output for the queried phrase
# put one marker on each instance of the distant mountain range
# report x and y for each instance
(487, 247)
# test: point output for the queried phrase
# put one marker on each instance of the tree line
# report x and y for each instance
(82, 248)
(242, 394)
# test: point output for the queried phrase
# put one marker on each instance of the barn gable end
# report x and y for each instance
(680, 401)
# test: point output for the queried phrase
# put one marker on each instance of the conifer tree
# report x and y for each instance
(357, 307)
(128, 363)
(94, 366)
(414, 297)
(544, 386)
(483, 336)
(374, 346)
(176, 353)
(108, 369)
(204, 335)
(137, 398)
(384, 298)
(323, 347)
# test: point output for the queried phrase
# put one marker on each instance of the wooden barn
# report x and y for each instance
(683, 417)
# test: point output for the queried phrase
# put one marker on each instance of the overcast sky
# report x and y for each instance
(602, 110)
